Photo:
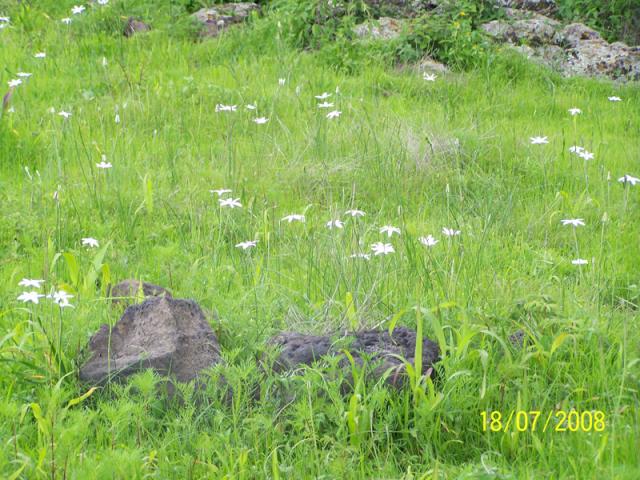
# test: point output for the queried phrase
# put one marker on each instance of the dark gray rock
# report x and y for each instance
(517, 338)
(126, 291)
(134, 26)
(170, 336)
(220, 17)
(383, 351)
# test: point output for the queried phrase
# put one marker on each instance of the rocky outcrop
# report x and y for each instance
(384, 352)
(170, 336)
(573, 49)
(216, 19)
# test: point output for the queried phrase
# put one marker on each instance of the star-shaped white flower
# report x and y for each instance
(24, 74)
(334, 114)
(294, 217)
(614, 99)
(247, 244)
(428, 241)
(14, 83)
(62, 298)
(29, 282)
(579, 261)
(450, 232)
(221, 191)
(334, 224)
(429, 77)
(576, 149)
(366, 256)
(104, 164)
(261, 120)
(380, 248)
(5, 19)
(539, 140)
(103, 2)
(66, 20)
(575, 222)
(323, 96)
(355, 213)
(40, 55)
(64, 114)
(586, 155)
(226, 108)
(229, 202)
(251, 106)
(33, 297)
(325, 105)
(389, 230)
(78, 9)
(90, 242)
(629, 179)
(575, 111)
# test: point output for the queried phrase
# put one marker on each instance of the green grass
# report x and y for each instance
(155, 219)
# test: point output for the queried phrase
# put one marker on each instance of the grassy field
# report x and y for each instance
(148, 105)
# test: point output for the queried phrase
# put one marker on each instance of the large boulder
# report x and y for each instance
(170, 336)
(383, 350)
(218, 18)
(573, 49)
(574, 33)
(531, 29)
(598, 58)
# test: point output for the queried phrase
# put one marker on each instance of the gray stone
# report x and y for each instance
(134, 26)
(384, 352)
(598, 58)
(218, 18)
(127, 291)
(170, 336)
(382, 29)
(532, 31)
(574, 33)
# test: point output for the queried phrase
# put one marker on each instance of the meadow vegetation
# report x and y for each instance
(147, 106)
